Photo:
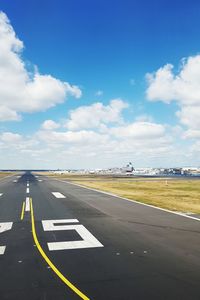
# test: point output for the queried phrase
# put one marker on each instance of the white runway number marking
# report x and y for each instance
(87, 239)
(4, 227)
(58, 195)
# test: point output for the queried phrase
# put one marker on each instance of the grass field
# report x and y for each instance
(4, 174)
(175, 195)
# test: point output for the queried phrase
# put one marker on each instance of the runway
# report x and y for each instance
(61, 241)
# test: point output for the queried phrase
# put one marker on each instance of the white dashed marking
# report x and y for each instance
(2, 250)
(27, 208)
(27, 190)
(14, 180)
(58, 195)
(1, 194)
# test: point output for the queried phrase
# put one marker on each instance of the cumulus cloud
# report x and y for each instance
(141, 142)
(136, 138)
(50, 125)
(190, 116)
(10, 137)
(94, 115)
(183, 87)
(194, 134)
(139, 130)
(99, 131)
(21, 91)
(70, 137)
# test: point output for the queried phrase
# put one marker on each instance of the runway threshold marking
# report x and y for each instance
(58, 195)
(49, 262)
(22, 212)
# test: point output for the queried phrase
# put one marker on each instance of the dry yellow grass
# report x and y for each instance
(4, 174)
(177, 195)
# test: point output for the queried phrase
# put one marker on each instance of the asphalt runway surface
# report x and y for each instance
(61, 241)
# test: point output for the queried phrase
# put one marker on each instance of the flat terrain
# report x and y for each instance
(176, 195)
(62, 241)
(5, 174)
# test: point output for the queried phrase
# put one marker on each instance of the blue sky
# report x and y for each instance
(123, 100)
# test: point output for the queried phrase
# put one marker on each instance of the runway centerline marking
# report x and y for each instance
(4, 227)
(49, 262)
(58, 195)
(27, 184)
(27, 204)
(27, 191)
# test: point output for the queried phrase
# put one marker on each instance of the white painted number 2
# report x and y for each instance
(4, 227)
(87, 239)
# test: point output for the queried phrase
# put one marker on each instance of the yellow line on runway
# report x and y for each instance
(22, 213)
(49, 262)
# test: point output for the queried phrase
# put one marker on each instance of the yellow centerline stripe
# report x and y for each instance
(49, 262)
(22, 213)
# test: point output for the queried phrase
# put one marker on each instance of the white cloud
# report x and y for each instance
(19, 90)
(143, 143)
(8, 114)
(70, 137)
(139, 130)
(50, 125)
(125, 142)
(184, 88)
(11, 138)
(190, 116)
(193, 134)
(96, 114)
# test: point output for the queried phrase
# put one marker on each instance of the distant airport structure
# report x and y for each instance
(129, 170)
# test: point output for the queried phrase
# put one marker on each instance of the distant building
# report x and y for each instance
(128, 169)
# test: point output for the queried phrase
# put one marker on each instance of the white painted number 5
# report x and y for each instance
(87, 239)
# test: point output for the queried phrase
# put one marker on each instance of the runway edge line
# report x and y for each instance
(131, 200)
